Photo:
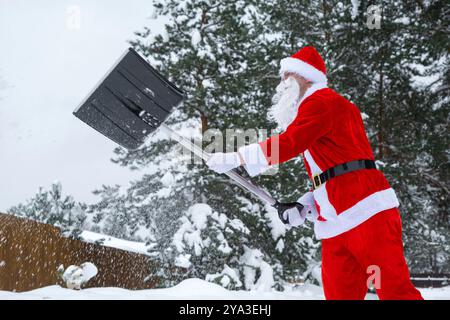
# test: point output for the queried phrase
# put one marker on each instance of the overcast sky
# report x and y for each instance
(50, 63)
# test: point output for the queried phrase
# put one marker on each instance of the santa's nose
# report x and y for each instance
(285, 75)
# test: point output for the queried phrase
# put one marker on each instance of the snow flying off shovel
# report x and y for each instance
(133, 100)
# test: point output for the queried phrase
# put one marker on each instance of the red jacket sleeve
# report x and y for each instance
(313, 121)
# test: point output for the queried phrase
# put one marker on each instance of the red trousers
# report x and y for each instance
(371, 251)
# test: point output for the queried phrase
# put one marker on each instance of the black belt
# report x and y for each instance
(340, 169)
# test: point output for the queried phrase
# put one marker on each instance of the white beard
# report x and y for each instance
(285, 101)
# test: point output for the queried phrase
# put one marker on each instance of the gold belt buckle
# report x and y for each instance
(316, 181)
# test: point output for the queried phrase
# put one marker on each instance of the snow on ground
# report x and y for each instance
(436, 293)
(191, 289)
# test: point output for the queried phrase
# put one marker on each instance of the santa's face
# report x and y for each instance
(302, 82)
(286, 99)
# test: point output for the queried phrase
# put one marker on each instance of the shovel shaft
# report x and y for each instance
(241, 181)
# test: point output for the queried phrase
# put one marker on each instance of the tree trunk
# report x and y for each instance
(204, 120)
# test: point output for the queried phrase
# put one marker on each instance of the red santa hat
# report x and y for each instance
(307, 63)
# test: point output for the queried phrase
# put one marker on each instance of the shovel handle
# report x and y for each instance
(241, 181)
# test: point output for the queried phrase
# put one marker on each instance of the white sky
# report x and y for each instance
(50, 68)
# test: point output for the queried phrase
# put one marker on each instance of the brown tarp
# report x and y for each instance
(30, 253)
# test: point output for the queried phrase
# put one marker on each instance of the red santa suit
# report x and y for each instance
(358, 220)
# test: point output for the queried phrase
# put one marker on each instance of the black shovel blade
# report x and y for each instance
(130, 102)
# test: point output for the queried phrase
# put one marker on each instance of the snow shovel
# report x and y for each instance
(133, 100)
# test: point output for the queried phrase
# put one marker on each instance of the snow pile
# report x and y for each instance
(193, 289)
(76, 276)
(199, 286)
(107, 241)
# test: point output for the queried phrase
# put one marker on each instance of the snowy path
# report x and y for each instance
(192, 289)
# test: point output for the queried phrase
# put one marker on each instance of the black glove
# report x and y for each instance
(283, 207)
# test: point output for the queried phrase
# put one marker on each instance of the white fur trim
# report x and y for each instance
(327, 210)
(255, 160)
(312, 164)
(302, 68)
(354, 216)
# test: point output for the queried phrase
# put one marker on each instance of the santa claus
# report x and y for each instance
(354, 209)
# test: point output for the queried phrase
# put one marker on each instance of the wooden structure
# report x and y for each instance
(30, 253)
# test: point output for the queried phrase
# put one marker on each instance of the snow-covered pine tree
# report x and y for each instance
(217, 52)
(427, 235)
(53, 208)
(201, 246)
(114, 214)
(225, 56)
(404, 125)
